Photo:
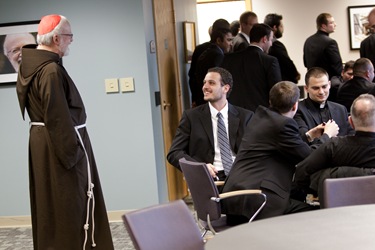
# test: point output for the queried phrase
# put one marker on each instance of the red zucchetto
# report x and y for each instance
(48, 23)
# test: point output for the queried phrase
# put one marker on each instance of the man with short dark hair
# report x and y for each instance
(288, 69)
(242, 39)
(319, 119)
(196, 87)
(322, 51)
(196, 137)
(338, 81)
(361, 83)
(266, 160)
(254, 72)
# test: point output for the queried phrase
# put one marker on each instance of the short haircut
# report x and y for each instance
(258, 31)
(220, 24)
(226, 77)
(361, 66)
(244, 16)
(219, 33)
(322, 19)
(283, 95)
(348, 65)
(234, 27)
(315, 72)
(363, 115)
(273, 20)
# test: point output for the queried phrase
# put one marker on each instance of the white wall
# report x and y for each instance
(299, 23)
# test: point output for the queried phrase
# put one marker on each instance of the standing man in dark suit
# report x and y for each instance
(367, 48)
(242, 39)
(213, 56)
(322, 51)
(270, 149)
(288, 69)
(195, 87)
(319, 119)
(361, 83)
(254, 72)
(196, 137)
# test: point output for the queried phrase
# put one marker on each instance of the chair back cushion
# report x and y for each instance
(202, 188)
(349, 191)
(161, 227)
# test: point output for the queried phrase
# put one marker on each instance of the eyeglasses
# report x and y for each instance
(14, 51)
(69, 35)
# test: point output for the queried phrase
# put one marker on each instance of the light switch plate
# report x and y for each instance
(127, 84)
(111, 85)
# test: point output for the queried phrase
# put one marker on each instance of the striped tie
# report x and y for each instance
(222, 138)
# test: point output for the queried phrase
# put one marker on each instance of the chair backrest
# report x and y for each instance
(202, 187)
(348, 191)
(161, 227)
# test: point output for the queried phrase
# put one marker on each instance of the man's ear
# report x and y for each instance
(295, 106)
(351, 121)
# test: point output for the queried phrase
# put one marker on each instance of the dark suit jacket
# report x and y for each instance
(308, 117)
(213, 56)
(270, 149)
(356, 151)
(352, 89)
(254, 73)
(322, 51)
(194, 139)
(367, 49)
(195, 89)
(239, 42)
(288, 69)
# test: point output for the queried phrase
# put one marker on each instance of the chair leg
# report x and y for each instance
(259, 209)
(210, 226)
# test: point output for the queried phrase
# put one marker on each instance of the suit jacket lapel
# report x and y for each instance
(205, 119)
(313, 111)
(233, 123)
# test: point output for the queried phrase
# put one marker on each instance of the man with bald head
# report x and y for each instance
(356, 152)
(361, 83)
(64, 183)
(12, 47)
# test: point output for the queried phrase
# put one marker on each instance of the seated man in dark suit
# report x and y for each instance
(361, 83)
(317, 118)
(254, 72)
(196, 137)
(338, 81)
(355, 151)
(270, 149)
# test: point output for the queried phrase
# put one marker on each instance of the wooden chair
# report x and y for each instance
(161, 227)
(348, 191)
(206, 197)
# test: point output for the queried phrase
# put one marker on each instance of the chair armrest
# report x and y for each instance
(219, 183)
(236, 193)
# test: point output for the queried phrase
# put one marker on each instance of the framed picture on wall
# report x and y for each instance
(358, 24)
(12, 37)
(189, 40)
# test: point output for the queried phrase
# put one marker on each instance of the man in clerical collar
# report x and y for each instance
(317, 118)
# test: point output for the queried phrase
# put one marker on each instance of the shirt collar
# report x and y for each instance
(214, 111)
